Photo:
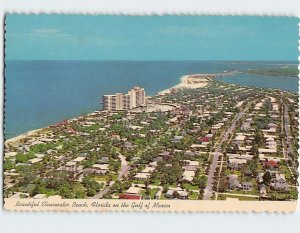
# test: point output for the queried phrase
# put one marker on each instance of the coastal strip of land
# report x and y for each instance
(204, 140)
(196, 81)
(186, 82)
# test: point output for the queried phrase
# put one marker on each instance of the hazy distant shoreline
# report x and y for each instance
(65, 84)
(182, 84)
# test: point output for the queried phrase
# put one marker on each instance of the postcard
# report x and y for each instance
(151, 113)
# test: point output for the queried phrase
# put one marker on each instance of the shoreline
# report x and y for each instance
(184, 83)
(192, 81)
(24, 135)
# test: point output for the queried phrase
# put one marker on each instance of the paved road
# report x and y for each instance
(288, 137)
(124, 167)
(104, 191)
(161, 187)
(287, 129)
(240, 195)
(123, 172)
(208, 190)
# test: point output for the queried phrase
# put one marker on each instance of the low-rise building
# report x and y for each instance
(279, 182)
(246, 186)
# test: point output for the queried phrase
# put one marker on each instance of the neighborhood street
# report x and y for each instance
(123, 172)
(210, 179)
(287, 129)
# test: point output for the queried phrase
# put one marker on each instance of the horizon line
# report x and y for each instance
(210, 60)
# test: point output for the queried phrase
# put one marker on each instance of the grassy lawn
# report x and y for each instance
(224, 196)
(162, 197)
(191, 187)
(291, 194)
(50, 192)
(252, 192)
(173, 185)
(138, 181)
(78, 187)
(114, 175)
(259, 167)
(284, 169)
(152, 193)
(155, 182)
(101, 178)
(227, 172)
(193, 196)
(279, 155)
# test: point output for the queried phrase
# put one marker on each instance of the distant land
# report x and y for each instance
(291, 71)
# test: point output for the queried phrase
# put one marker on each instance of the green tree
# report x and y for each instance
(8, 164)
(267, 178)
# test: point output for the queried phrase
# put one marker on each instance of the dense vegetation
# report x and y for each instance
(282, 71)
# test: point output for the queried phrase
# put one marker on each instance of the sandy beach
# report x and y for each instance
(23, 136)
(196, 81)
(190, 81)
(186, 81)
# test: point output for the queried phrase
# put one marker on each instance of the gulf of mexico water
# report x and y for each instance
(40, 93)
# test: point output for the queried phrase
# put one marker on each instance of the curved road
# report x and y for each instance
(123, 172)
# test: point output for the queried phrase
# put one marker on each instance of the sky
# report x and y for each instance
(88, 37)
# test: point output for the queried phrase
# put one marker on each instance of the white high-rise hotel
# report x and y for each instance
(121, 101)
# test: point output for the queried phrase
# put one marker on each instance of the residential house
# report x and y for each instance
(279, 182)
(233, 181)
(246, 186)
(262, 190)
(101, 168)
(270, 164)
(104, 160)
(188, 175)
(182, 194)
(157, 195)
(236, 163)
(142, 176)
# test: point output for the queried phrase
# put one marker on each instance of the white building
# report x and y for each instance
(120, 101)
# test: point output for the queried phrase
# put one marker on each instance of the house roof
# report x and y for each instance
(165, 153)
(71, 163)
(55, 197)
(142, 175)
(265, 150)
(148, 170)
(240, 137)
(233, 176)
(133, 190)
(271, 163)
(188, 175)
(247, 183)
(9, 154)
(237, 161)
(79, 159)
(101, 166)
(280, 176)
(28, 188)
(194, 163)
(130, 197)
(39, 196)
(35, 160)
(204, 139)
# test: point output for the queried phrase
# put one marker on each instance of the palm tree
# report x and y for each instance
(146, 183)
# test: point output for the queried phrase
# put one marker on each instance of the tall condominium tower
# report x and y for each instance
(120, 101)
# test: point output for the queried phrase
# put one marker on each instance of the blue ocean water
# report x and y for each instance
(40, 93)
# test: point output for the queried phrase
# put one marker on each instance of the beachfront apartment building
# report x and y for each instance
(120, 101)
